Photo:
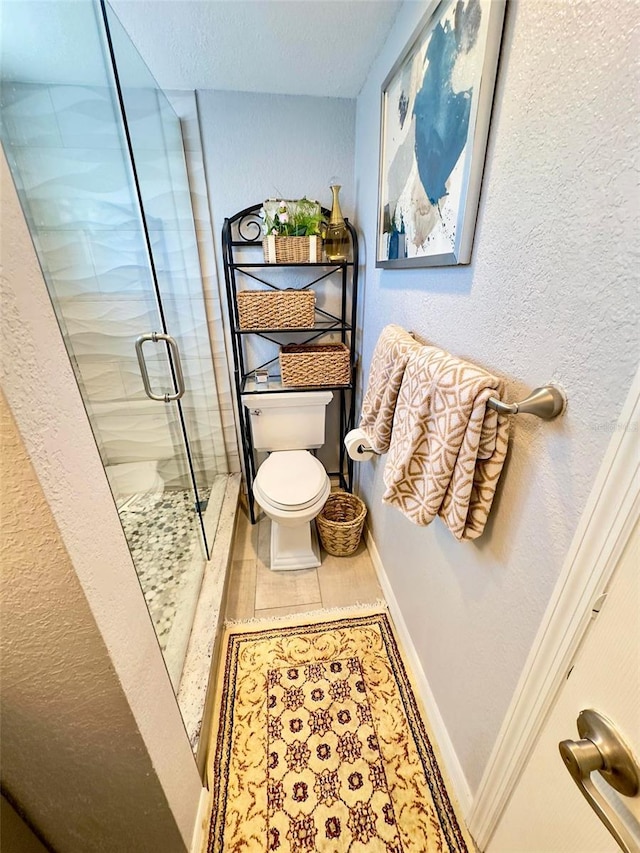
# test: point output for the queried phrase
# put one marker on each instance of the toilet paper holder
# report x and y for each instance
(357, 445)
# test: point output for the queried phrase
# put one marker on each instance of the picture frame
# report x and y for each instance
(435, 113)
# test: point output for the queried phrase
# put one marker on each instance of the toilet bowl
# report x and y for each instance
(292, 486)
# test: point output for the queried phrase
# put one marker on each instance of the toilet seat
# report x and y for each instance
(291, 480)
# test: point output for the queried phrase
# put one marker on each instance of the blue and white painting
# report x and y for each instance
(430, 112)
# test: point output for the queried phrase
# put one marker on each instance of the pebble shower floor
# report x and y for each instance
(162, 531)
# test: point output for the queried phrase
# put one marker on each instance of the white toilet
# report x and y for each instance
(291, 485)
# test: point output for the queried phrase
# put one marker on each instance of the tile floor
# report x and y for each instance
(256, 591)
(163, 533)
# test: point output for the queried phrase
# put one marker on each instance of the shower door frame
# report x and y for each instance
(165, 331)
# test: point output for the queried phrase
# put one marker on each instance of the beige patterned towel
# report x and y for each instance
(389, 360)
(447, 448)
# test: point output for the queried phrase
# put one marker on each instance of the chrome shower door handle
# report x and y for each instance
(177, 367)
(602, 748)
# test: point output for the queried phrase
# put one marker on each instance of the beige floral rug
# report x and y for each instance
(321, 746)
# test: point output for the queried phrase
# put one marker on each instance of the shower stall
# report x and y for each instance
(96, 152)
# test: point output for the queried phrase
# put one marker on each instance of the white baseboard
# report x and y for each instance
(201, 829)
(452, 768)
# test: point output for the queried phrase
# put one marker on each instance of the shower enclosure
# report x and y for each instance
(96, 153)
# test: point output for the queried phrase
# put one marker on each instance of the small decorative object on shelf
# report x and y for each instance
(292, 231)
(336, 241)
(276, 309)
(315, 364)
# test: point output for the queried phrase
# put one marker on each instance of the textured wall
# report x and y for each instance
(551, 294)
(98, 614)
(260, 146)
(63, 710)
(17, 837)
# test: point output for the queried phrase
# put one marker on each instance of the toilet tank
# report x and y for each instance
(290, 420)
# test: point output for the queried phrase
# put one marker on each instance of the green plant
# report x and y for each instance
(287, 218)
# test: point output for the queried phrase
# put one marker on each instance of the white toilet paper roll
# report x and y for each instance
(358, 446)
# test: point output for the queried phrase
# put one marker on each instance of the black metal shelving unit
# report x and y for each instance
(242, 247)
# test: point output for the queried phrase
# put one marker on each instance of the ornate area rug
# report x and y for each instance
(321, 746)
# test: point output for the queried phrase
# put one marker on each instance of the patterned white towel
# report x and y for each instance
(447, 448)
(389, 360)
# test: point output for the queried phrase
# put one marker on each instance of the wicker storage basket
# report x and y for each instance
(340, 523)
(292, 250)
(315, 364)
(276, 309)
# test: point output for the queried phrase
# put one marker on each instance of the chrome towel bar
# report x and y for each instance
(547, 403)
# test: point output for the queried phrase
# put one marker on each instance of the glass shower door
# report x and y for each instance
(155, 140)
(68, 149)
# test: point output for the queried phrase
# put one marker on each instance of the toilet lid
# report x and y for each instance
(291, 478)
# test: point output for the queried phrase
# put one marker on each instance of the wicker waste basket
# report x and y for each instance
(340, 523)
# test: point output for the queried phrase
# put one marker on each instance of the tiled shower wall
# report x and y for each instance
(66, 149)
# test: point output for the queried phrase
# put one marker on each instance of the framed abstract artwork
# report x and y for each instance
(436, 108)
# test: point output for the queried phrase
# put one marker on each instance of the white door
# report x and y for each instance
(547, 812)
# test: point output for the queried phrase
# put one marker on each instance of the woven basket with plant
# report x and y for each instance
(292, 231)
